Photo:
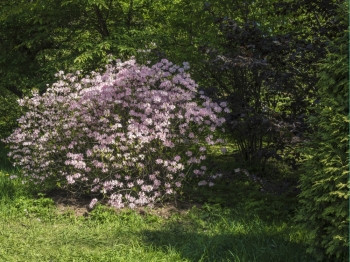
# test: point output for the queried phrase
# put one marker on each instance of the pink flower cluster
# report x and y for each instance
(132, 133)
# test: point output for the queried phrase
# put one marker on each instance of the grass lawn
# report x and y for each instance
(35, 229)
(232, 222)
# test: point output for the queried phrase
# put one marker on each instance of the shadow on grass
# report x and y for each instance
(202, 246)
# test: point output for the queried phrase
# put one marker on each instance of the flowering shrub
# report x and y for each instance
(132, 133)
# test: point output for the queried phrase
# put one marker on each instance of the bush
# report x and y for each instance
(324, 182)
(9, 112)
(132, 134)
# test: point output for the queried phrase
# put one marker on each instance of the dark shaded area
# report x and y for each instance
(198, 246)
(5, 163)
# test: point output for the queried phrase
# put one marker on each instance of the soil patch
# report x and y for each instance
(66, 202)
(166, 210)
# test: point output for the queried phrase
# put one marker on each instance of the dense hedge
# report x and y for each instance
(324, 181)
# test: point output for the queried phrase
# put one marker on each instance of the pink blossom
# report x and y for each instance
(202, 183)
(189, 153)
(93, 203)
(106, 131)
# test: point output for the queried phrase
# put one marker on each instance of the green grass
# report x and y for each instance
(32, 229)
(237, 223)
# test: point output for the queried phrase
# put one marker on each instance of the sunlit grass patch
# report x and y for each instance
(210, 233)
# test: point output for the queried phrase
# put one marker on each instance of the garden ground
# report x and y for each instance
(230, 222)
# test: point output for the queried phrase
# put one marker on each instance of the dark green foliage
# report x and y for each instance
(266, 70)
(9, 112)
(324, 181)
(39, 38)
(250, 72)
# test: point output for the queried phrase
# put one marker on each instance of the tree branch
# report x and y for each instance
(102, 25)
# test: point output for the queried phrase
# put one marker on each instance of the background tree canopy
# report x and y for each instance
(273, 61)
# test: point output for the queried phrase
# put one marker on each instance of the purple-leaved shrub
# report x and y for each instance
(132, 134)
